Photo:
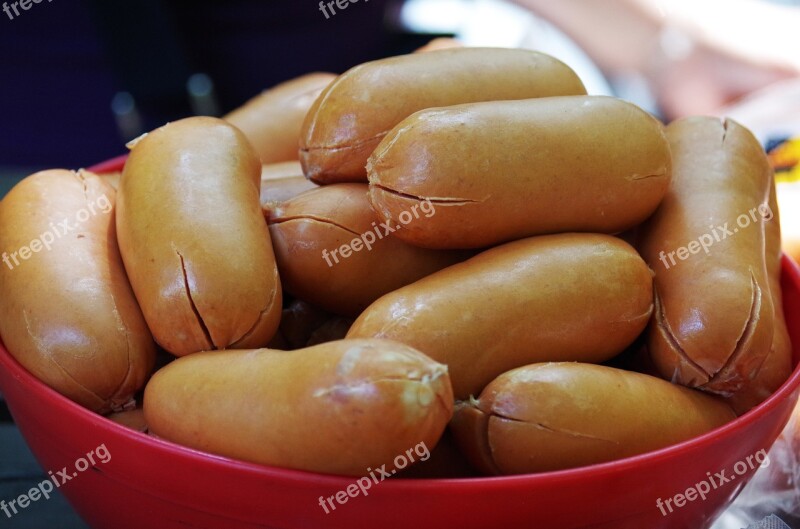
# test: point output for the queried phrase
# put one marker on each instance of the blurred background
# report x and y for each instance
(80, 78)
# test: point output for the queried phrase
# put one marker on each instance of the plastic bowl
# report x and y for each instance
(153, 483)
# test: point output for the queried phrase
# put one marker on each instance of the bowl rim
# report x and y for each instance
(68, 407)
(636, 462)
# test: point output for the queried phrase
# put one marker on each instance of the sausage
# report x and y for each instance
(505, 170)
(67, 312)
(777, 366)
(333, 253)
(554, 416)
(272, 119)
(439, 43)
(568, 297)
(280, 170)
(133, 419)
(194, 240)
(353, 114)
(713, 321)
(282, 181)
(112, 178)
(342, 407)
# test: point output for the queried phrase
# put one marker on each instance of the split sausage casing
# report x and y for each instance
(353, 114)
(333, 253)
(194, 240)
(713, 322)
(778, 364)
(554, 416)
(505, 170)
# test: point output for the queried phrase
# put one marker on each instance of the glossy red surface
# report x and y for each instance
(153, 483)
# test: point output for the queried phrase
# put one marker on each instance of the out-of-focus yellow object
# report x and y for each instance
(785, 159)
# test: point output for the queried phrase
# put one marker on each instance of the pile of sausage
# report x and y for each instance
(464, 241)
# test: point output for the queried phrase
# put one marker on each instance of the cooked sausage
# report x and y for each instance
(67, 312)
(554, 416)
(353, 114)
(333, 252)
(569, 297)
(343, 407)
(194, 240)
(505, 170)
(713, 322)
(282, 181)
(272, 119)
(778, 364)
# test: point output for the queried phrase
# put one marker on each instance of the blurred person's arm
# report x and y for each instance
(697, 54)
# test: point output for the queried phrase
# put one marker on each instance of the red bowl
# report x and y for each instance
(153, 483)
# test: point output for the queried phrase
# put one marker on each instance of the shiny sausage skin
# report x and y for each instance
(569, 297)
(714, 317)
(555, 416)
(333, 253)
(342, 407)
(505, 170)
(194, 240)
(67, 311)
(353, 114)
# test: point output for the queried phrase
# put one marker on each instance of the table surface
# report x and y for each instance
(19, 472)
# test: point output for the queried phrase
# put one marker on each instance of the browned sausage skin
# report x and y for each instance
(554, 416)
(713, 323)
(505, 170)
(67, 312)
(341, 407)
(567, 297)
(194, 240)
(353, 114)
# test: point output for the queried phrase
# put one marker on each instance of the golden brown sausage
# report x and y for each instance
(353, 114)
(67, 312)
(778, 365)
(555, 416)
(440, 43)
(194, 240)
(272, 119)
(333, 252)
(280, 170)
(112, 178)
(564, 297)
(713, 322)
(505, 170)
(282, 181)
(344, 407)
